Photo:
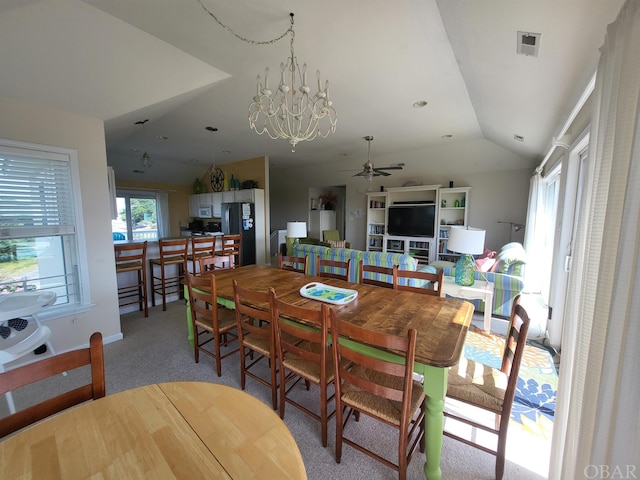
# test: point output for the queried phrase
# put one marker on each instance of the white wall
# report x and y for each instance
(35, 124)
(495, 196)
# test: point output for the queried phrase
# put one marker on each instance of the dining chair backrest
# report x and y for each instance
(217, 262)
(333, 268)
(207, 316)
(491, 389)
(376, 275)
(377, 386)
(426, 283)
(296, 264)
(257, 334)
(303, 351)
(49, 367)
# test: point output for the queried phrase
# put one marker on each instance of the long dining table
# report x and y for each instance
(174, 430)
(441, 324)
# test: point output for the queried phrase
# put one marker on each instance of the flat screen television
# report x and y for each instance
(413, 220)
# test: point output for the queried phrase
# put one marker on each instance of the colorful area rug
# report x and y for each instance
(535, 400)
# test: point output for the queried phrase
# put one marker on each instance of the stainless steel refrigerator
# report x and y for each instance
(239, 218)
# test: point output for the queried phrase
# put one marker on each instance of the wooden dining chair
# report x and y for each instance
(216, 262)
(382, 389)
(491, 389)
(49, 367)
(132, 257)
(256, 337)
(376, 275)
(333, 268)
(232, 245)
(173, 254)
(305, 355)
(426, 283)
(210, 323)
(201, 247)
(296, 264)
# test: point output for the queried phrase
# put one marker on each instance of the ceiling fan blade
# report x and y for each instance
(378, 172)
(360, 174)
(388, 168)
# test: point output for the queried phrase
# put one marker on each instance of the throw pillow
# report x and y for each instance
(485, 264)
(337, 243)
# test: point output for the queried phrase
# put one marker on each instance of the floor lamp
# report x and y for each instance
(466, 241)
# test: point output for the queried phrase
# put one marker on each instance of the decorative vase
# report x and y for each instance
(465, 270)
(198, 187)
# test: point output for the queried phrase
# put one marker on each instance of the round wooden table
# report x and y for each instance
(184, 430)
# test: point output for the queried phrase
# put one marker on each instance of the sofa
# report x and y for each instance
(505, 270)
(385, 259)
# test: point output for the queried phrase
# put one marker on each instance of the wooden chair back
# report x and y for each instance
(130, 257)
(373, 275)
(402, 278)
(494, 398)
(232, 245)
(49, 367)
(201, 247)
(173, 251)
(296, 264)
(257, 334)
(327, 268)
(206, 316)
(216, 262)
(378, 387)
(304, 353)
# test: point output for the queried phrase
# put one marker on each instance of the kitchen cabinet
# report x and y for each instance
(198, 201)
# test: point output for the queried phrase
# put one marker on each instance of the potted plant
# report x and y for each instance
(329, 200)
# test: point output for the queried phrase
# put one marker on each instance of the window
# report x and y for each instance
(40, 221)
(137, 216)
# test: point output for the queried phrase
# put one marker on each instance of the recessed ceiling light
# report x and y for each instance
(518, 138)
(342, 154)
(226, 151)
(211, 129)
(162, 137)
(134, 149)
(420, 104)
(138, 171)
(447, 136)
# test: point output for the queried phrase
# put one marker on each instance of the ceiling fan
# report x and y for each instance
(369, 171)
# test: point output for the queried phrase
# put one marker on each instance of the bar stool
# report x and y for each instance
(232, 245)
(132, 257)
(172, 252)
(201, 247)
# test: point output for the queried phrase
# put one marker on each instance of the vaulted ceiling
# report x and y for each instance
(123, 61)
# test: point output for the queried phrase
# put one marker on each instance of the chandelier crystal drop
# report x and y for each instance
(291, 113)
(146, 161)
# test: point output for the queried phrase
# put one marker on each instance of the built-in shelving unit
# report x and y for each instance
(453, 211)
(376, 220)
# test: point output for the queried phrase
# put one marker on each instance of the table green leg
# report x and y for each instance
(189, 324)
(435, 387)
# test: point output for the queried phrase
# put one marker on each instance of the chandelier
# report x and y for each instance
(291, 113)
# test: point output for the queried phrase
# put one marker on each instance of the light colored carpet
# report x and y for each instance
(155, 349)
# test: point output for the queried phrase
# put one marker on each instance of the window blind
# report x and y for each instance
(35, 196)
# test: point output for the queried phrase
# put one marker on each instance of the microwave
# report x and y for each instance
(204, 212)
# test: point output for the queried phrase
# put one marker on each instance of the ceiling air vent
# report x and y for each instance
(528, 43)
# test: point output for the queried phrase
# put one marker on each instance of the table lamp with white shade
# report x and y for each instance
(296, 230)
(466, 241)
